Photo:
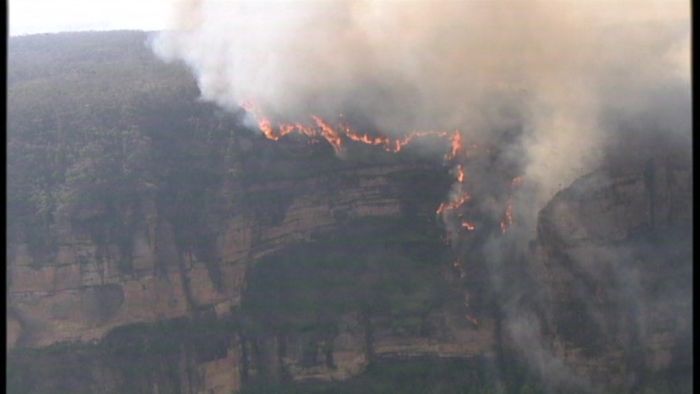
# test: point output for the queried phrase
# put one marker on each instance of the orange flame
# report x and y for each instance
(448, 206)
(365, 138)
(266, 127)
(469, 225)
(329, 133)
(460, 174)
(399, 144)
(335, 134)
(456, 145)
(325, 130)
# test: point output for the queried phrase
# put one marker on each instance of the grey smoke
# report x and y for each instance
(441, 65)
(558, 88)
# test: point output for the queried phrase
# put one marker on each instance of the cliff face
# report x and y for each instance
(83, 291)
(171, 249)
(139, 216)
(85, 296)
(614, 255)
(247, 321)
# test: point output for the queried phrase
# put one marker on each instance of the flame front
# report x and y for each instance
(460, 173)
(334, 134)
(452, 205)
(455, 145)
(329, 133)
(399, 144)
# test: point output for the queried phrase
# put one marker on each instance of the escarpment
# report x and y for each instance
(171, 248)
(615, 256)
(86, 289)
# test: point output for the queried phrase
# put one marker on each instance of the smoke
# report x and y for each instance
(552, 89)
(445, 65)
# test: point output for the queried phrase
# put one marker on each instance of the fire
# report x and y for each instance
(460, 173)
(399, 144)
(329, 133)
(452, 205)
(336, 134)
(284, 129)
(266, 128)
(455, 145)
(472, 319)
(366, 139)
(507, 220)
(324, 129)
(289, 128)
(468, 225)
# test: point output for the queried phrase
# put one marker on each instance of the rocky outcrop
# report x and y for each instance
(84, 292)
(300, 357)
(612, 251)
(615, 256)
(226, 260)
(612, 254)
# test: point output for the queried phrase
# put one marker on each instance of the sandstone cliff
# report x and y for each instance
(172, 249)
(614, 253)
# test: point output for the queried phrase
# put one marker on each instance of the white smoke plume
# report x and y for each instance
(406, 65)
(548, 72)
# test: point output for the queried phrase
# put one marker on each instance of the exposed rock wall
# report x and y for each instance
(83, 293)
(612, 254)
(160, 302)
(615, 256)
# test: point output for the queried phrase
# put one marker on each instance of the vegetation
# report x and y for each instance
(390, 268)
(102, 135)
(97, 125)
(98, 128)
(130, 359)
(419, 376)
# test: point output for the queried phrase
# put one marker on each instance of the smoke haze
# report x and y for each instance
(548, 67)
(556, 88)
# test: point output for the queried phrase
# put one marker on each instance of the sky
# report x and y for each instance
(51, 16)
